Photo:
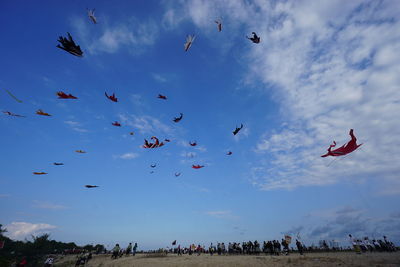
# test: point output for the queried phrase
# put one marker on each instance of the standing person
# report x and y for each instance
(211, 249)
(179, 250)
(355, 244)
(128, 249)
(134, 249)
(299, 247)
(115, 252)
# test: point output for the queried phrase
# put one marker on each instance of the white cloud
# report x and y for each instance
(47, 205)
(221, 214)
(76, 126)
(129, 155)
(21, 230)
(146, 124)
(159, 78)
(131, 34)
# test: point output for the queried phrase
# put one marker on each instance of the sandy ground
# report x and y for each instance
(312, 259)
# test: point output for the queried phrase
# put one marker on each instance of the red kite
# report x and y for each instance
(41, 112)
(193, 144)
(345, 149)
(58, 163)
(162, 97)
(91, 186)
(178, 119)
(62, 95)
(69, 45)
(237, 129)
(189, 42)
(219, 24)
(12, 114)
(116, 124)
(91, 15)
(80, 151)
(152, 145)
(255, 39)
(197, 166)
(229, 153)
(39, 173)
(111, 97)
(13, 96)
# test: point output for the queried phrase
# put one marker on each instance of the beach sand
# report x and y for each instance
(311, 259)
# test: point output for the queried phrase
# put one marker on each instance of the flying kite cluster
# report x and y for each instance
(68, 44)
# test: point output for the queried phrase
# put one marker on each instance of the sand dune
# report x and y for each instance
(312, 260)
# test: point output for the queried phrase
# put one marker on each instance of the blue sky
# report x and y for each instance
(320, 69)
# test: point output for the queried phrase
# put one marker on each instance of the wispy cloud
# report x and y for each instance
(159, 77)
(47, 205)
(76, 126)
(146, 124)
(129, 155)
(21, 230)
(132, 35)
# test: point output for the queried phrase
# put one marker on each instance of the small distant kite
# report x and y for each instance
(177, 174)
(178, 119)
(345, 149)
(91, 186)
(193, 144)
(111, 97)
(13, 96)
(12, 114)
(189, 42)
(80, 151)
(58, 163)
(91, 15)
(229, 153)
(162, 97)
(235, 132)
(156, 143)
(41, 112)
(167, 140)
(174, 243)
(131, 133)
(197, 166)
(219, 24)
(62, 95)
(255, 39)
(116, 124)
(69, 45)
(153, 165)
(39, 173)
(152, 172)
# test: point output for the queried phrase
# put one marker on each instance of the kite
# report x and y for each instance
(80, 151)
(70, 46)
(345, 149)
(153, 165)
(13, 96)
(162, 97)
(219, 24)
(167, 140)
(189, 41)
(131, 133)
(177, 174)
(62, 95)
(116, 124)
(91, 186)
(41, 112)
(229, 153)
(178, 119)
(39, 173)
(193, 144)
(12, 114)
(174, 243)
(58, 163)
(255, 39)
(91, 15)
(197, 166)
(237, 129)
(152, 172)
(111, 97)
(152, 145)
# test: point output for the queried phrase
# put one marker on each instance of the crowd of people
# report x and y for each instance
(364, 244)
